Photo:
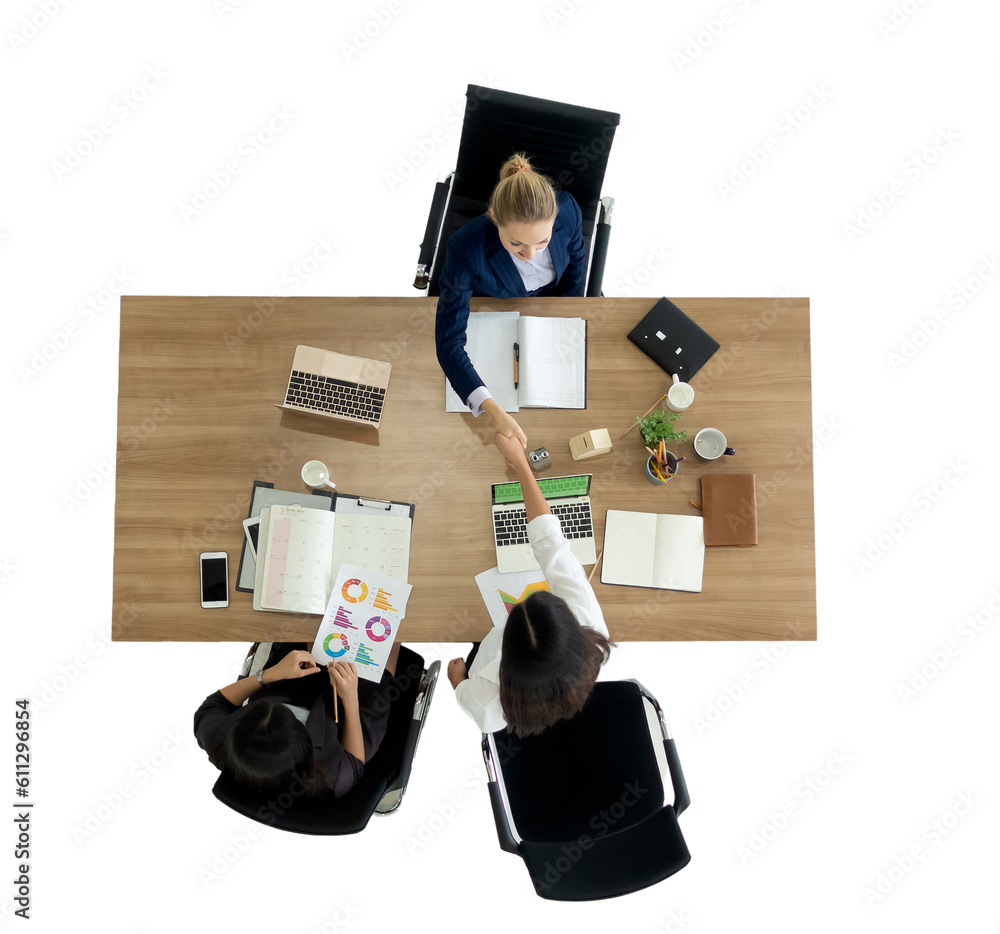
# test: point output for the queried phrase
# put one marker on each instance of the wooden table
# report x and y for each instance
(197, 425)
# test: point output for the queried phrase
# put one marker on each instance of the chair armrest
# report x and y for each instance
(602, 236)
(681, 797)
(420, 708)
(432, 232)
(497, 803)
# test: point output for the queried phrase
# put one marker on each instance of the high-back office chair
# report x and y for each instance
(583, 803)
(384, 780)
(569, 144)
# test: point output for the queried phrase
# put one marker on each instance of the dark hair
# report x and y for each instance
(268, 749)
(548, 663)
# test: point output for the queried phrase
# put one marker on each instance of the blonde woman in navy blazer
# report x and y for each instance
(529, 242)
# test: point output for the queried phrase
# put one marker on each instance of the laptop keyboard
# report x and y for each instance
(510, 526)
(334, 396)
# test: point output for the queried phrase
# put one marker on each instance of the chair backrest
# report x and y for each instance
(600, 760)
(352, 812)
(570, 144)
(586, 799)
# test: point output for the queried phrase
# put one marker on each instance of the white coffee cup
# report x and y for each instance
(317, 475)
(679, 395)
(710, 444)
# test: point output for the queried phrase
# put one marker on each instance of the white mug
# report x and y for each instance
(316, 475)
(679, 395)
(710, 444)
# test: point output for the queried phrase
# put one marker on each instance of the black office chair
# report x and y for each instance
(384, 780)
(567, 143)
(583, 803)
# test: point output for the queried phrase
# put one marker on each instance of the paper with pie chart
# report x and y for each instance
(361, 620)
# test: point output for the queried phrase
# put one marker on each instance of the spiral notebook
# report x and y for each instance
(644, 549)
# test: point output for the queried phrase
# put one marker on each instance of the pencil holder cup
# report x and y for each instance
(672, 467)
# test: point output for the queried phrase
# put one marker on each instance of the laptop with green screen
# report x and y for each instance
(569, 500)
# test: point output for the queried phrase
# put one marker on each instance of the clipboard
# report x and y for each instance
(264, 494)
(346, 504)
(369, 505)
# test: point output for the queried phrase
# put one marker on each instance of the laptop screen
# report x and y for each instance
(551, 487)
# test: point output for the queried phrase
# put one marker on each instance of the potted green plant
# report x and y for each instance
(657, 430)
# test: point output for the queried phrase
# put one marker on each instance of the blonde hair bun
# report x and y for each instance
(522, 195)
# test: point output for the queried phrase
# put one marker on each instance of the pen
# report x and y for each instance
(517, 364)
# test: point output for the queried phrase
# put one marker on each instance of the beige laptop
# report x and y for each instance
(337, 385)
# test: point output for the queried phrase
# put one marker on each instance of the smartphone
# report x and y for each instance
(214, 579)
(252, 527)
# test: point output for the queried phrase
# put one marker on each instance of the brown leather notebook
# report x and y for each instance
(729, 507)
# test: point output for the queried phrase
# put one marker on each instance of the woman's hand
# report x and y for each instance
(513, 452)
(508, 428)
(344, 677)
(296, 664)
(457, 672)
(503, 423)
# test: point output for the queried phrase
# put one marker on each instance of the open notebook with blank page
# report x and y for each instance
(644, 549)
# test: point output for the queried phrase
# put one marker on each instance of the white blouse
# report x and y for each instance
(479, 695)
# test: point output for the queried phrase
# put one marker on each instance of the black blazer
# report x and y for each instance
(477, 264)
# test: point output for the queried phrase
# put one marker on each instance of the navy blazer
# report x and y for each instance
(478, 264)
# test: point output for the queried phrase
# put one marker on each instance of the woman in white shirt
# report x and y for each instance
(540, 666)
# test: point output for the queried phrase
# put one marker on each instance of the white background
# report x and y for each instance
(700, 88)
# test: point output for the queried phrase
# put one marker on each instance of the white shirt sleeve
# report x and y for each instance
(479, 694)
(476, 399)
(563, 571)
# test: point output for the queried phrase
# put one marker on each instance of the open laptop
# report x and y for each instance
(567, 497)
(337, 385)
(673, 341)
